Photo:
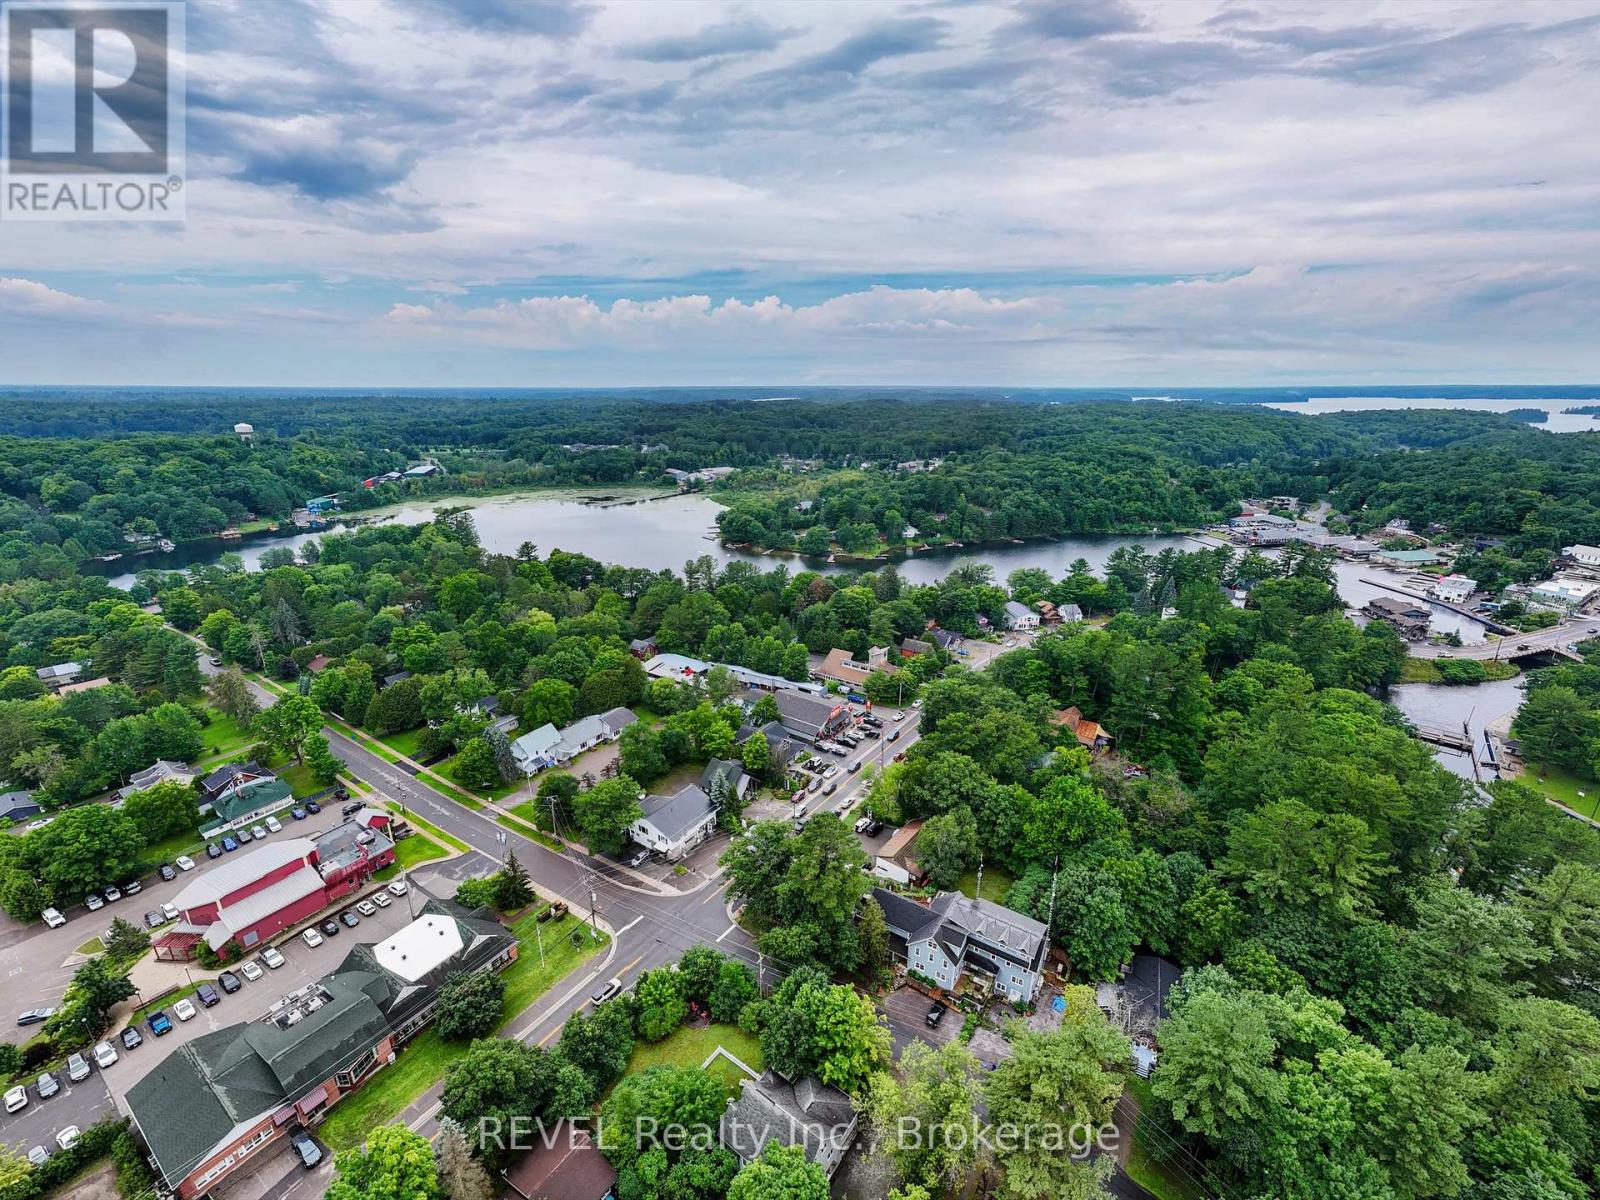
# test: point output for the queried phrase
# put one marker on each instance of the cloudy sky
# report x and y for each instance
(1121, 192)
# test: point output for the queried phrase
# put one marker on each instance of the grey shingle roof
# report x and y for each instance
(677, 814)
(807, 1113)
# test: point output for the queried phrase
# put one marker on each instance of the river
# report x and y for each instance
(666, 530)
(1557, 421)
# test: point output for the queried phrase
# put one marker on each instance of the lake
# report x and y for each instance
(1440, 706)
(1558, 422)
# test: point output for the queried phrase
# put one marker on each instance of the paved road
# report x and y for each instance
(1557, 638)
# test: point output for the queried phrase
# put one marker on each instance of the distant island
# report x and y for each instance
(1584, 410)
(1529, 416)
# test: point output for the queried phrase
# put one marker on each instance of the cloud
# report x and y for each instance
(28, 298)
(545, 18)
(1073, 20)
(742, 35)
(439, 287)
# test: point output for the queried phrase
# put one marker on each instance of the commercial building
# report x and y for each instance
(684, 669)
(216, 1102)
(1453, 589)
(1564, 591)
(1409, 617)
(957, 936)
(838, 666)
(1584, 556)
(812, 717)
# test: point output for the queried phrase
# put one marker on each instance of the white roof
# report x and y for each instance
(231, 874)
(1018, 609)
(288, 890)
(420, 947)
(537, 741)
(1571, 589)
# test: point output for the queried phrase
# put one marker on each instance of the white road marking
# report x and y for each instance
(629, 925)
(728, 930)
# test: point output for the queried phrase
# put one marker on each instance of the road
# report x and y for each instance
(1557, 638)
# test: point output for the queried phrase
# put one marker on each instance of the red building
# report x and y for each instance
(254, 896)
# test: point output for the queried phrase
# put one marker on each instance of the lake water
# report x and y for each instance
(1558, 422)
(1439, 706)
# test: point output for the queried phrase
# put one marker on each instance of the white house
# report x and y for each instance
(244, 431)
(1585, 556)
(1453, 589)
(673, 825)
(548, 746)
(1020, 616)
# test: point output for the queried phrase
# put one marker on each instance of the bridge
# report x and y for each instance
(1554, 641)
(1461, 741)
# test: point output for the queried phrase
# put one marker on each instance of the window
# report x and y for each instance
(358, 1070)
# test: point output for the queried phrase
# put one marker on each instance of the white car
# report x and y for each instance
(53, 918)
(250, 970)
(184, 1010)
(104, 1055)
(113, 894)
(68, 1137)
(169, 910)
(365, 908)
(272, 958)
(184, 862)
(93, 902)
(38, 1156)
(257, 832)
(16, 1098)
(311, 938)
(381, 899)
(274, 825)
(398, 887)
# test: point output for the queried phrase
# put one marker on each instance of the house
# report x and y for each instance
(1408, 559)
(87, 685)
(1409, 617)
(673, 825)
(225, 1100)
(563, 1165)
(160, 771)
(1453, 589)
(683, 669)
(957, 936)
(58, 676)
(840, 667)
(806, 1113)
(548, 746)
(1564, 591)
(1091, 735)
(812, 718)
(1584, 556)
(231, 777)
(911, 647)
(1020, 616)
(393, 678)
(894, 860)
(642, 648)
(244, 431)
(317, 664)
(782, 745)
(728, 773)
(1069, 612)
(944, 638)
(251, 897)
(423, 470)
(16, 805)
(322, 504)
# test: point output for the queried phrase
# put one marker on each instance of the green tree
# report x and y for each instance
(395, 1164)
(325, 765)
(948, 846)
(233, 696)
(167, 808)
(757, 754)
(125, 939)
(86, 1006)
(661, 1003)
(605, 812)
(647, 1103)
(1558, 728)
(513, 886)
(1287, 855)
(476, 765)
(1217, 1072)
(470, 1005)
(547, 702)
(499, 1080)
(936, 1094)
(461, 1177)
(780, 1173)
(735, 987)
(600, 1042)
(289, 725)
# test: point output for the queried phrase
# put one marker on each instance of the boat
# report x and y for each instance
(167, 544)
(112, 556)
(230, 535)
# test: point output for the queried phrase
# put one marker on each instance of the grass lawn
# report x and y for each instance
(298, 777)
(408, 852)
(167, 1001)
(1426, 670)
(423, 1063)
(224, 737)
(407, 743)
(182, 842)
(528, 831)
(500, 791)
(1164, 1180)
(995, 884)
(93, 946)
(689, 1047)
(1580, 795)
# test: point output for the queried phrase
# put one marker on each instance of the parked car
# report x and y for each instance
(311, 938)
(330, 927)
(244, 836)
(639, 858)
(830, 770)
(871, 733)
(298, 813)
(935, 1015)
(113, 894)
(77, 1067)
(165, 870)
(160, 1024)
(38, 1156)
(104, 1055)
(313, 807)
(381, 899)
(47, 1085)
(185, 1010)
(132, 888)
(555, 912)
(605, 991)
(229, 845)
(169, 910)
(53, 918)
(16, 1099)
(250, 969)
(207, 995)
(899, 716)
(351, 809)
(398, 888)
(213, 850)
(229, 982)
(185, 863)
(155, 919)
(349, 919)
(215, 660)
(274, 825)
(364, 907)
(68, 1137)
(132, 1039)
(257, 832)
(93, 902)
(35, 1016)
(310, 1153)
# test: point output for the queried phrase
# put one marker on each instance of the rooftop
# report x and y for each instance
(677, 814)
(232, 873)
(425, 944)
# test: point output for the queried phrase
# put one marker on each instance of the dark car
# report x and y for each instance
(167, 871)
(131, 1038)
(313, 807)
(310, 1153)
(132, 888)
(341, 792)
(35, 1016)
(244, 835)
(351, 809)
(298, 813)
(329, 927)
(160, 1023)
(350, 919)
(229, 844)
(230, 982)
(155, 919)
(871, 733)
(207, 995)
(213, 850)
(935, 1015)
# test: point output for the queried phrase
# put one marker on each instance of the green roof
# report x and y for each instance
(235, 804)
(1414, 556)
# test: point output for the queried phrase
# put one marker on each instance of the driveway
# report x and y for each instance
(907, 1010)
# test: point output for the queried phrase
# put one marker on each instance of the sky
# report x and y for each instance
(1101, 192)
